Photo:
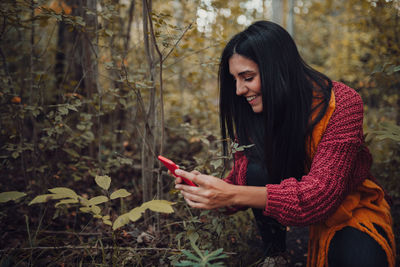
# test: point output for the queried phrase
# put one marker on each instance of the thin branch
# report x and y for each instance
(177, 42)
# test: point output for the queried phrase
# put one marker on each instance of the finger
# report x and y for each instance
(178, 180)
(196, 205)
(185, 174)
(195, 172)
(194, 197)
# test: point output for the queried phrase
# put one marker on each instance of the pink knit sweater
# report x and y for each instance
(340, 164)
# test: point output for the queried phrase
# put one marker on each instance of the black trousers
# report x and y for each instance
(351, 247)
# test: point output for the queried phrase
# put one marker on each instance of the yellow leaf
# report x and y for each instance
(136, 213)
(84, 201)
(108, 222)
(119, 193)
(64, 191)
(98, 200)
(66, 201)
(85, 209)
(11, 195)
(159, 206)
(41, 199)
(96, 210)
(103, 181)
(121, 221)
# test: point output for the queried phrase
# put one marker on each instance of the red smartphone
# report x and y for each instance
(172, 167)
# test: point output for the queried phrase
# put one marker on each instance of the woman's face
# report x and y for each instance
(248, 83)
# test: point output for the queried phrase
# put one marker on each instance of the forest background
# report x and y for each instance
(92, 91)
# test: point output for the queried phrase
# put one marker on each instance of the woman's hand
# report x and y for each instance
(210, 193)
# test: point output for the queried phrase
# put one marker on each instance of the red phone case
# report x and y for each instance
(172, 167)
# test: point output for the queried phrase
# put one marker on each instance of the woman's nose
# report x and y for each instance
(240, 88)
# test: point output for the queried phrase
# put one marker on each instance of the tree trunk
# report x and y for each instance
(89, 65)
(148, 144)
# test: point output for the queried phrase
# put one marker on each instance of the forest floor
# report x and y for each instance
(14, 233)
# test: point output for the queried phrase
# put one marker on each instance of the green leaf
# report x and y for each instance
(191, 256)
(120, 221)
(98, 200)
(119, 193)
(71, 107)
(217, 254)
(64, 191)
(41, 199)
(193, 237)
(157, 205)
(216, 163)
(63, 110)
(81, 127)
(397, 68)
(187, 263)
(66, 201)
(71, 152)
(11, 195)
(103, 181)
(136, 213)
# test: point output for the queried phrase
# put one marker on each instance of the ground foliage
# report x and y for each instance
(81, 98)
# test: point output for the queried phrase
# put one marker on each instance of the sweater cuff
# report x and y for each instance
(274, 205)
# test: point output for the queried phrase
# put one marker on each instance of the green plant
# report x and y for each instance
(388, 130)
(202, 259)
(67, 196)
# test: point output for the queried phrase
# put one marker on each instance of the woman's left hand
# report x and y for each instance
(210, 193)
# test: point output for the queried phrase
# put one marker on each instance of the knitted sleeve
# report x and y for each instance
(319, 193)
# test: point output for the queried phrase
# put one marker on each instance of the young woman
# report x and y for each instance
(308, 165)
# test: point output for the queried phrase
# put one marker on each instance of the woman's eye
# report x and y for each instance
(249, 79)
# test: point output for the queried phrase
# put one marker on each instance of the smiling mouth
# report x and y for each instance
(251, 98)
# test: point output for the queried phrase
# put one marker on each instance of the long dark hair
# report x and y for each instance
(288, 87)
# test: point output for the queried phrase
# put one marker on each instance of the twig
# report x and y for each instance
(177, 42)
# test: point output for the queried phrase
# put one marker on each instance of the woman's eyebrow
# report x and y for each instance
(245, 72)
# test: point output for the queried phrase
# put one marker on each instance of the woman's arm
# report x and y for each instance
(339, 166)
(213, 192)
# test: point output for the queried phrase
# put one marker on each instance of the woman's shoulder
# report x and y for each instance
(345, 95)
(346, 98)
